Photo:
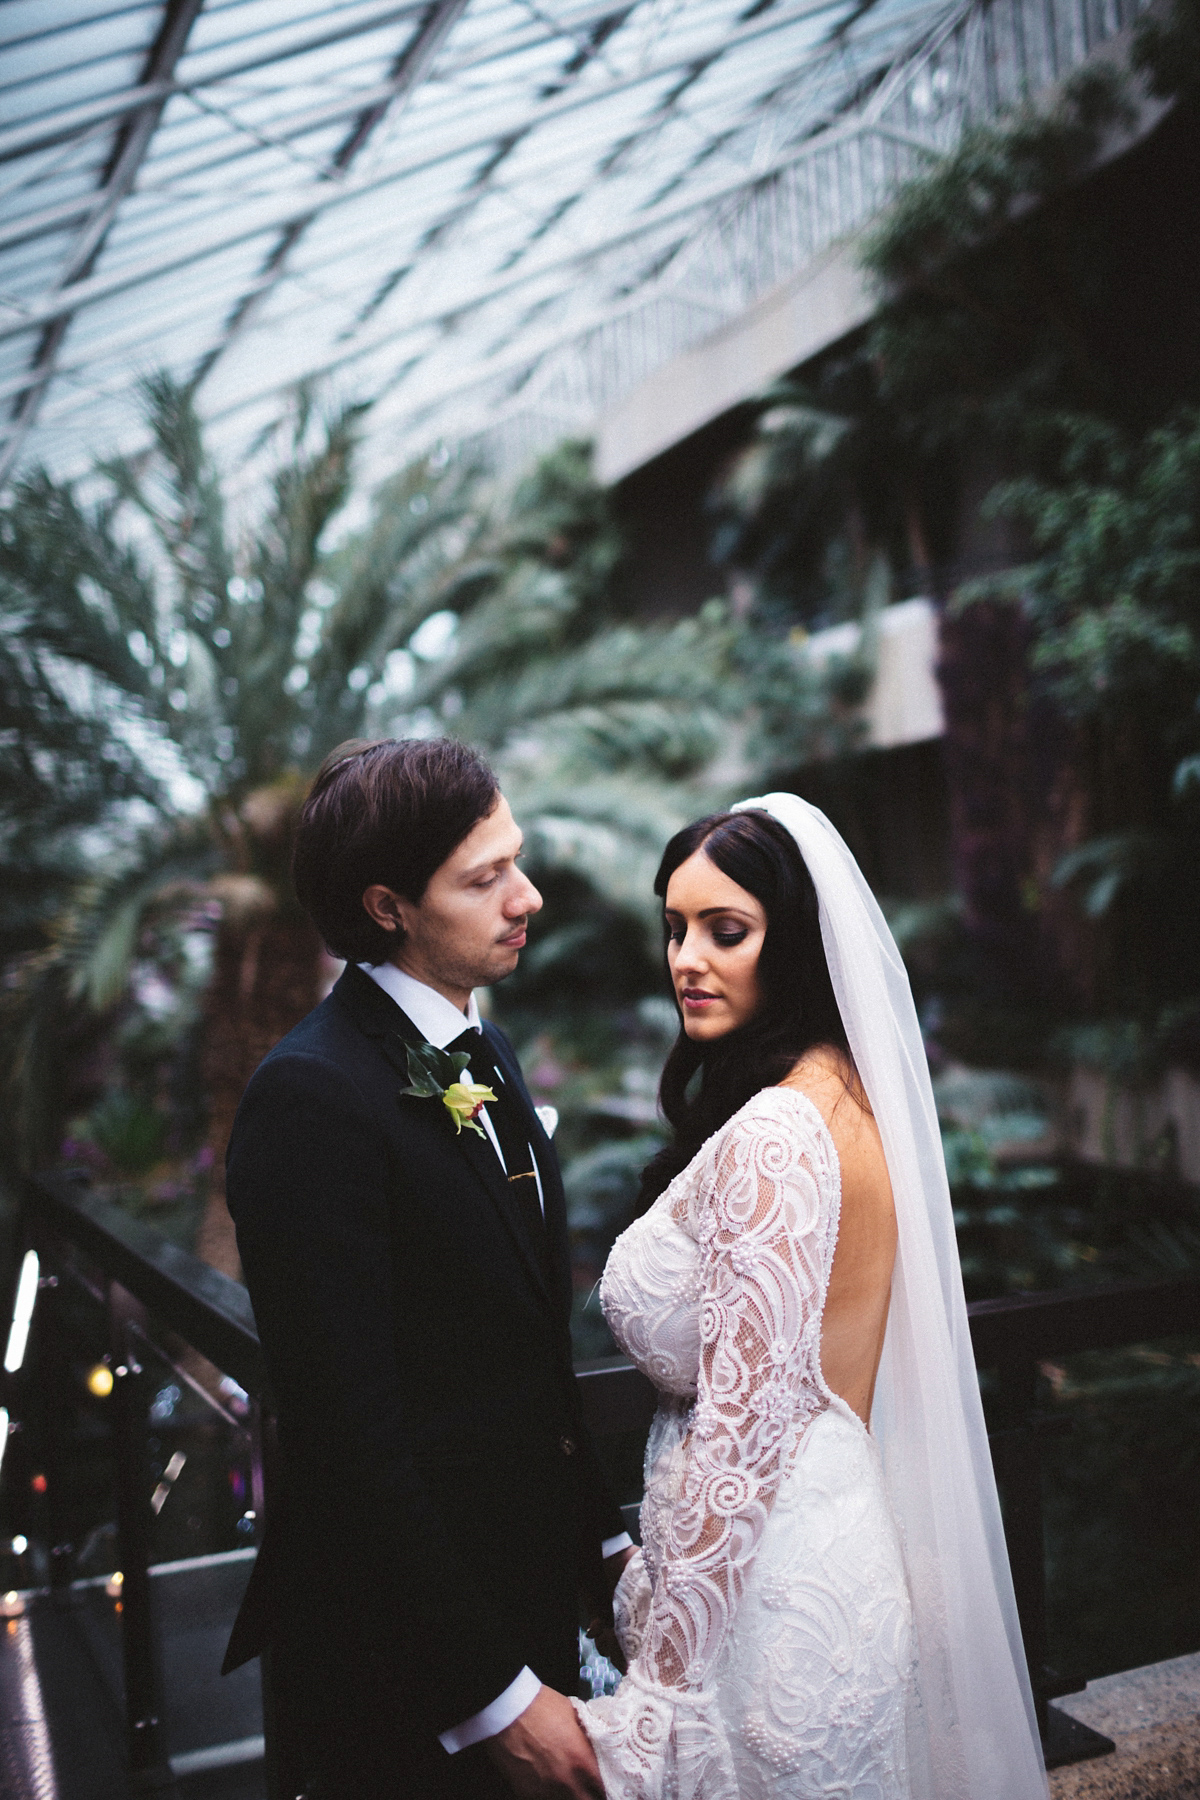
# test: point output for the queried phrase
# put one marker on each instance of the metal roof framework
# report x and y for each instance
(489, 217)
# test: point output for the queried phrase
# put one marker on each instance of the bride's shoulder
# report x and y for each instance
(828, 1080)
(785, 1111)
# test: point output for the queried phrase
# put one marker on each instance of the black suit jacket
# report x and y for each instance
(441, 1502)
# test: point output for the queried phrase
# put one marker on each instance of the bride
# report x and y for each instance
(822, 1605)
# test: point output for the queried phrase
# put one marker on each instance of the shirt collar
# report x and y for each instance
(436, 1018)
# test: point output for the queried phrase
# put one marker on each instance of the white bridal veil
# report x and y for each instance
(973, 1733)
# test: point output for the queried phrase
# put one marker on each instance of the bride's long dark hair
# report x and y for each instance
(798, 1011)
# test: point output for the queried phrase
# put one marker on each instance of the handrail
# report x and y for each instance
(214, 1315)
(1099, 1318)
(1011, 1335)
(206, 1308)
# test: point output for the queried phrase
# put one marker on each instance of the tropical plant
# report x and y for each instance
(215, 662)
(994, 281)
(604, 730)
(1069, 717)
(828, 487)
(1112, 604)
(174, 674)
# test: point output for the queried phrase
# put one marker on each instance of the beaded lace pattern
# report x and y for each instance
(717, 1293)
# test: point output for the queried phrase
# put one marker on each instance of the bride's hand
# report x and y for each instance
(546, 1754)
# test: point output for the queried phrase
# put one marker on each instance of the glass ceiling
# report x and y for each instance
(490, 217)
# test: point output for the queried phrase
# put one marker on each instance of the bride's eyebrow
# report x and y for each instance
(712, 912)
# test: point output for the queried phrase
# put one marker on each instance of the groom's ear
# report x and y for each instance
(386, 909)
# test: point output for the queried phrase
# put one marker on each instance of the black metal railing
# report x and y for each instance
(160, 1305)
(155, 1293)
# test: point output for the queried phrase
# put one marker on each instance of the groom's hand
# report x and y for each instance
(546, 1755)
(600, 1629)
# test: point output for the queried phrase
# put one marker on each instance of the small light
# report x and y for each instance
(20, 1545)
(115, 1584)
(169, 1476)
(12, 1606)
(100, 1381)
(39, 1484)
(18, 1336)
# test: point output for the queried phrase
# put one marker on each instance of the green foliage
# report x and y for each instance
(827, 491)
(175, 659)
(995, 168)
(1114, 596)
(992, 290)
(600, 729)
(820, 519)
(1131, 1051)
(1167, 50)
(131, 1134)
(166, 678)
(1122, 1490)
(1113, 603)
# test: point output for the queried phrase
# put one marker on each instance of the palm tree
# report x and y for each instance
(607, 732)
(216, 666)
(173, 678)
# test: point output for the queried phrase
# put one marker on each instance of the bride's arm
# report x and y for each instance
(761, 1230)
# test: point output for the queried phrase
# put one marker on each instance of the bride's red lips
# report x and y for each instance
(697, 997)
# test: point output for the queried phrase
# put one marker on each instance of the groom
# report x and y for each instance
(443, 1514)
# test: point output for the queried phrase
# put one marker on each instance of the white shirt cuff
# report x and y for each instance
(494, 1718)
(611, 1546)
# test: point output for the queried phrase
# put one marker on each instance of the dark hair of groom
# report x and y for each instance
(391, 811)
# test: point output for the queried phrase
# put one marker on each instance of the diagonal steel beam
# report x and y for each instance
(279, 211)
(74, 120)
(57, 127)
(129, 150)
(69, 121)
(661, 217)
(412, 63)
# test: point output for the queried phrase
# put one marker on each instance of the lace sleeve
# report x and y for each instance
(765, 1226)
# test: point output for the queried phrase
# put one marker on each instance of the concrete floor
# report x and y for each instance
(1153, 1717)
(61, 1725)
(61, 1734)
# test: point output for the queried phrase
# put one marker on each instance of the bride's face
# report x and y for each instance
(716, 934)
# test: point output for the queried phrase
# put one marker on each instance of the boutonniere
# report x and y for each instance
(434, 1074)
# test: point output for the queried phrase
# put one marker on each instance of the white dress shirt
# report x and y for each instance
(440, 1022)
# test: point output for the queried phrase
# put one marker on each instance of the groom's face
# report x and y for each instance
(468, 928)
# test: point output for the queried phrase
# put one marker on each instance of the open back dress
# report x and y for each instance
(767, 1618)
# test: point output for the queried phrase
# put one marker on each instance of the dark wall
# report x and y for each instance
(1142, 212)
(661, 507)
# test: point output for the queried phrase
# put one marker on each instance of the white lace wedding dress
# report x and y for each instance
(767, 1618)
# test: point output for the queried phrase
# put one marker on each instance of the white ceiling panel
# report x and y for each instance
(466, 210)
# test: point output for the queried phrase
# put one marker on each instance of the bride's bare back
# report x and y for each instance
(860, 1284)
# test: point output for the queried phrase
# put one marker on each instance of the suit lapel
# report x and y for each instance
(379, 1017)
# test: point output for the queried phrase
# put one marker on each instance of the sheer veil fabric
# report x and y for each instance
(972, 1728)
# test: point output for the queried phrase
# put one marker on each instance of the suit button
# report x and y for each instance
(567, 1445)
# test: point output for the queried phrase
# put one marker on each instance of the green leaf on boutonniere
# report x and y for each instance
(431, 1071)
